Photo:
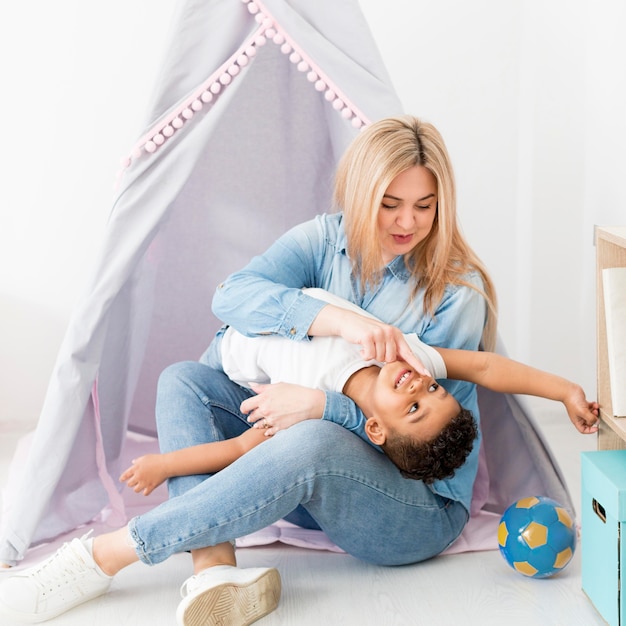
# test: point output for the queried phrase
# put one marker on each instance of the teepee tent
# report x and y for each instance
(255, 103)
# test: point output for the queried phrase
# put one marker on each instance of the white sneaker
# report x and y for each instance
(228, 596)
(68, 578)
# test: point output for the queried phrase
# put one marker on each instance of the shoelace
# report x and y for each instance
(189, 585)
(195, 581)
(65, 563)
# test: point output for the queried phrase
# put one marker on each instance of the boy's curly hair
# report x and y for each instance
(438, 458)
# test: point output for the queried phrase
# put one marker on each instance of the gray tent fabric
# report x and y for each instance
(255, 103)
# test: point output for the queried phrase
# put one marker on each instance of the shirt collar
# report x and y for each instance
(398, 269)
(396, 266)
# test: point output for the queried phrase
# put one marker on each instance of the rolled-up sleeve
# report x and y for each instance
(341, 410)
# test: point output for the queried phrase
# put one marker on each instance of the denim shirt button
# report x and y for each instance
(292, 331)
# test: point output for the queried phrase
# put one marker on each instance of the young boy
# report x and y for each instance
(415, 421)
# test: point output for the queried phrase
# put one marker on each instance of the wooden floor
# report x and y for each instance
(323, 588)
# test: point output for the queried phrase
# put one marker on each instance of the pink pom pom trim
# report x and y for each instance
(210, 89)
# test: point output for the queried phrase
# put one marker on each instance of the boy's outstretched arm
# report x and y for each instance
(147, 472)
(499, 373)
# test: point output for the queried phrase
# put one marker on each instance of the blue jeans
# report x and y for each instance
(316, 468)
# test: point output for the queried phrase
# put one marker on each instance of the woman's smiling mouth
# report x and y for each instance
(402, 239)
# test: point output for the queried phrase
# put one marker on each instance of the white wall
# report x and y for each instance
(77, 78)
(530, 98)
(528, 94)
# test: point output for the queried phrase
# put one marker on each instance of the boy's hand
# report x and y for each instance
(582, 413)
(145, 474)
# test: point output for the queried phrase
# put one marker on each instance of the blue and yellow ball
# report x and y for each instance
(537, 536)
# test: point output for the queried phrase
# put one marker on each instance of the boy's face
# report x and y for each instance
(410, 404)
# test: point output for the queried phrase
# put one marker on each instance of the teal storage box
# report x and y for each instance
(603, 531)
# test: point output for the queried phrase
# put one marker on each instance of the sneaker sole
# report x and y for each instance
(235, 604)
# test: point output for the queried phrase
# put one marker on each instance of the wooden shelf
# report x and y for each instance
(610, 252)
(612, 434)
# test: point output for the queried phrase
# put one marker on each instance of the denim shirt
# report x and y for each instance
(266, 297)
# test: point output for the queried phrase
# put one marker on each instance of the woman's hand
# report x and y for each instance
(378, 341)
(582, 413)
(278, 406)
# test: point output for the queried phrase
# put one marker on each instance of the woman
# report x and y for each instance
(394, 249)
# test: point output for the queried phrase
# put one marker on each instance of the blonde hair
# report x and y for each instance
(378, 154)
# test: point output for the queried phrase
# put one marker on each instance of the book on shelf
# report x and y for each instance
(614, 286)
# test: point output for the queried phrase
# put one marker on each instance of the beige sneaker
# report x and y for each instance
(66, 579)
(228, 596)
